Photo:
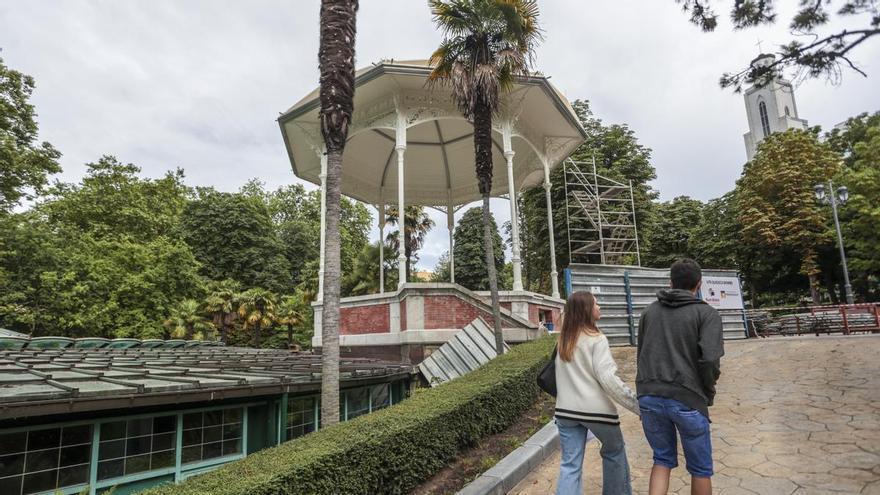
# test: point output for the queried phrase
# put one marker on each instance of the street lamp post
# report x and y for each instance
(841, 196)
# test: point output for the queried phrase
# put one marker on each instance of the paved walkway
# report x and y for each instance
(792, 416)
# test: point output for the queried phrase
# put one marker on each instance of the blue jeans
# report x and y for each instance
(661, 418)
(573, 439)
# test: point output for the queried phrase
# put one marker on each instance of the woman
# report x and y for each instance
(587, 382)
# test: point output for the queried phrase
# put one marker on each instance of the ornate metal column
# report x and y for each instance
(506, 134)
(554, 276)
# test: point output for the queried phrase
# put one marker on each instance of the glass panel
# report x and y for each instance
(139, 427)
(10, 485)
(73, 475)
(76, 435)
(300, 416)
(231, 431)
(11, 465)
(41, 460)
(381, 396)
(218, 435)
(212, 450)
(192, 420)
(232, 447)
(164, 424)
(213, 418)
(137, 446)
(79, 454)
(11, 443)
(161, 460)
(358, 402)
(39, 482)
(191, 454)
(137, 464)
(111, 450)
(44, 439)
(192, 437)
(212, 434)
(164, 441)
(110, 469)
(232, 415)
(111, 431)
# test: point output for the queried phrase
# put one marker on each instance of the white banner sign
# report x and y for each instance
(722, 292)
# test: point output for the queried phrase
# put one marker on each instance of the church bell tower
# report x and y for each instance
(769, 109)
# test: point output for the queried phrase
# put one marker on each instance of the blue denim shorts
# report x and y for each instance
(661, 418)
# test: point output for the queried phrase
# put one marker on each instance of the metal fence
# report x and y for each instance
(845, 319)
(624, 292)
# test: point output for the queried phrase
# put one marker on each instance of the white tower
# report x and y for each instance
(769, 109)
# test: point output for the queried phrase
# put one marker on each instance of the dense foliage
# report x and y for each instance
(392, 450)
(470, 255)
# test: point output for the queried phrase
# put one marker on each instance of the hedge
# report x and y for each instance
(389, 451)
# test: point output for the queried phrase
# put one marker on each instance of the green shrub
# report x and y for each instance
(389, 451)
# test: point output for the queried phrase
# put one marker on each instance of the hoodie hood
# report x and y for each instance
(675, 298)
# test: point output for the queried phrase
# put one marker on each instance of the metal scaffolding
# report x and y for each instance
(600, 216)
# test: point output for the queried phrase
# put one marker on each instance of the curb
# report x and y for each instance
(505, 475)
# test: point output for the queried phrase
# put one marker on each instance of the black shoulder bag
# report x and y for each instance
(547, 376)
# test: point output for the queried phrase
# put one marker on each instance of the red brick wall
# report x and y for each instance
(451, 312)
(365, 319)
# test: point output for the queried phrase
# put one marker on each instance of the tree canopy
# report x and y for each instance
(470, 265)
(24, 164)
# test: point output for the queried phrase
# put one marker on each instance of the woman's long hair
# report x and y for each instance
(577, 317)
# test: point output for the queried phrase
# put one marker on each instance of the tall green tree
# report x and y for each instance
(816, 51)
(486, 45)
(861, 215)
(715, 240)
(233, 236)
(336, 64)
(112, 201)
(24, 164)
(417, 224)
(672, 233)
(257, 310)
(777, 207)
(470, 252)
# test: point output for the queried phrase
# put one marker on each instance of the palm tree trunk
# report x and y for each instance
(257, 331)
(483, 163)
(189, 332)
(330, 308)
(289, 335)
(336, 61)
(493, 275)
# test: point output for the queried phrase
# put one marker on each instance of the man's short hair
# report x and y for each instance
(685, 274)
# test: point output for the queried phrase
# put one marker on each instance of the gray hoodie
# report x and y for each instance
(680, 347)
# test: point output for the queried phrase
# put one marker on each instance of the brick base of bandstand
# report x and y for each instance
(407, 325)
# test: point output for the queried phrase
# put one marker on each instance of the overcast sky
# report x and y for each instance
(199, 84)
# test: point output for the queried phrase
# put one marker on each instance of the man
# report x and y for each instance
(679, 356)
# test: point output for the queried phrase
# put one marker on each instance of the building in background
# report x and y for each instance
(769, 109)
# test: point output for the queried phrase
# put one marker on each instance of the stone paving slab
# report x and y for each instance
(792, 416)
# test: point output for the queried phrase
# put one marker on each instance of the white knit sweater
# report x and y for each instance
(586, 385)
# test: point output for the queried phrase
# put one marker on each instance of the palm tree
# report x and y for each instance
(290, 313)
(187, 320)
(417, 224)
(257, 310)
(336, 64)
(222, 304)
(362, 279)
(487, 45)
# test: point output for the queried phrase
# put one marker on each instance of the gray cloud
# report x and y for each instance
(198, 84)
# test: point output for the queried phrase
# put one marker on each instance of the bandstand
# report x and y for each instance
(409, 145)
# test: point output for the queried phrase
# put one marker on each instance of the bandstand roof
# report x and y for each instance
(439, 158)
